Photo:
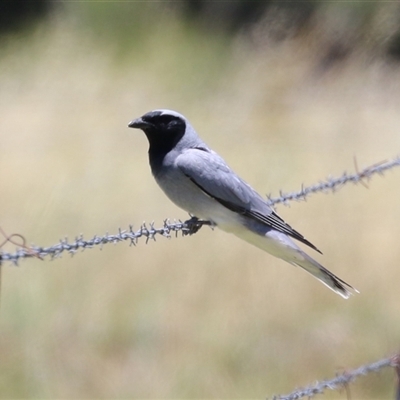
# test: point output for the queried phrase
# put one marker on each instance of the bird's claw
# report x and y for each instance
(194, 224)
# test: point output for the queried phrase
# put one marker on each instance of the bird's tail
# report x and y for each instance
(282, 246)
(323, 275)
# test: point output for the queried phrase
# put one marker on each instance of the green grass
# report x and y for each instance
(205, 316)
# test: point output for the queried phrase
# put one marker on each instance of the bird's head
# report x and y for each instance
(162, 127)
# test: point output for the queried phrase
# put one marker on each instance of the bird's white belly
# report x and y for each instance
(186, 195)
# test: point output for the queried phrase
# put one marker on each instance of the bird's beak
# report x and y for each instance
(138, 123)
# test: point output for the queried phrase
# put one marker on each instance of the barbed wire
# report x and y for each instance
(342, 380)
(188, 227)
(333, 184)
(192, 225)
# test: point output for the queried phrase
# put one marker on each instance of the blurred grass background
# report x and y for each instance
(285, 101)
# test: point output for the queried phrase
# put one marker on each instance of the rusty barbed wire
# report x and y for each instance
(342, 380)
(13, 239)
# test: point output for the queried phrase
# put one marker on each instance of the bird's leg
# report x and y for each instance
(194, 224)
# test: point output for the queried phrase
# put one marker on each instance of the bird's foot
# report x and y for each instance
(194, 224)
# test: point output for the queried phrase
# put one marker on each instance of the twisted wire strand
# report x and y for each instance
(333, 184)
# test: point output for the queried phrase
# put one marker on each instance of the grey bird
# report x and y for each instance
(199, 181)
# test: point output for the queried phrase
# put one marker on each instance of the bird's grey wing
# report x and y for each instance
(207, 170)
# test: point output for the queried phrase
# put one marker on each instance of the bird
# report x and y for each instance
(199, 181)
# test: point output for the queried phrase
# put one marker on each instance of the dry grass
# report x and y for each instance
(205, 316)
